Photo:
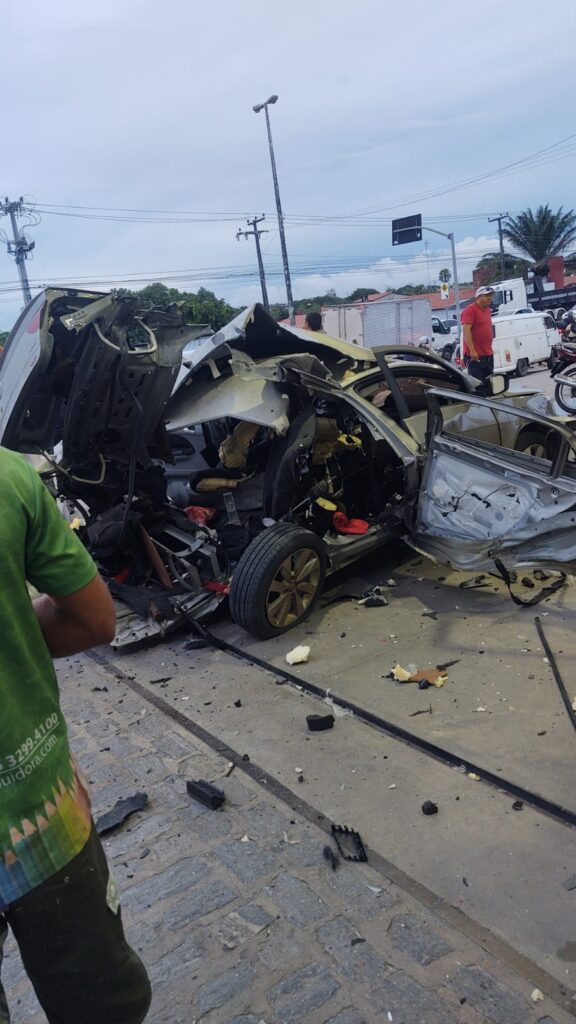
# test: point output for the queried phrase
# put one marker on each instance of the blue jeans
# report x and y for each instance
(73, 948)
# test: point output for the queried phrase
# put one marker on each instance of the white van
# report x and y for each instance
(521, 340)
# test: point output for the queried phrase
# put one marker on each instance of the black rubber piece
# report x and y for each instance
(349, 843)
(256, 570)
(429, 807)
(330, 857)
(205, 793)
(320, 723)
(122, 809)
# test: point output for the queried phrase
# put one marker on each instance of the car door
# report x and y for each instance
(409, 381)
(479, 502)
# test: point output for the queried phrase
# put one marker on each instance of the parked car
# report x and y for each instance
(277, 458)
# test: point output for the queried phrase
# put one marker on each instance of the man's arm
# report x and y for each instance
(79, 621)
(468, 340)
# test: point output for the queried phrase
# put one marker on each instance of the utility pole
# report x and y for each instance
(19, 247)
(492, 220)
(255, 233)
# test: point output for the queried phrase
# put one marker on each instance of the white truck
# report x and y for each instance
(521, 340)
(516, 294)
(399, 321)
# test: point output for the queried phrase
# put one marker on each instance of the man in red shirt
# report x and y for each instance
(478, 336)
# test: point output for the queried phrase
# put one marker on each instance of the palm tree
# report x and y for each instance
(541, 234)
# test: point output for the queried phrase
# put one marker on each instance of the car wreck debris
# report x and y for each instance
(349, 843)
(433, 676)
(298, 656)
(122, 810)
(556, 672)
(205, 793)
(262, 462)
(320, 723)
(429, 807)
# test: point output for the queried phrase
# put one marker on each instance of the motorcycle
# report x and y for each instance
(562, 364)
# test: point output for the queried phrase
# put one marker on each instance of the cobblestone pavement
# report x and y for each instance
(236, 914)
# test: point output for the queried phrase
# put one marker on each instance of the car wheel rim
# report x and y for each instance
(537, 449)
(293, 588)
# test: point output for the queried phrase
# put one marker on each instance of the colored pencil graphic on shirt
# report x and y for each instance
(31, 852)
(16, 874)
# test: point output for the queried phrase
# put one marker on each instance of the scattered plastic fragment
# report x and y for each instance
(424, 684)
(337, 711)
(401, 675)
(122, 809)
(320, 723)
(536, 995)
(422, 711)
(330, 857)
(245, 839)
(518, 805)
(229, 768)
(481, 709)
(205, 793)
(238, 703)
(349, 843)
(433, 676)
(473, 776)
(391, 583)
(298, 655)
(429, 807)
(288, 840)
(392, 785)
(376, 889)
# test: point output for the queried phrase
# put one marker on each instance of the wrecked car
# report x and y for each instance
(272, 457)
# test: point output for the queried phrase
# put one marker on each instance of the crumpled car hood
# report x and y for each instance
(259, 336)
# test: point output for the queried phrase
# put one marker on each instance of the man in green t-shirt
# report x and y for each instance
(56, 892)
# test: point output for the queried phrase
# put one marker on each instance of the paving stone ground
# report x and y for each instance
(235, 912)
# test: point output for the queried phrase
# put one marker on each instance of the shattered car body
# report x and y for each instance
(273, 457)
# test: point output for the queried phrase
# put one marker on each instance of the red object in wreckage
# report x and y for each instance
(217, 588)
(344, 525)
(199, 515)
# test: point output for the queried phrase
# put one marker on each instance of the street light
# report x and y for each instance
(257, 108)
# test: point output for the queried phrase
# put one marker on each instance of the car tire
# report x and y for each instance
(447, 352)
(532, 442)
(522, 367)
(278, 580)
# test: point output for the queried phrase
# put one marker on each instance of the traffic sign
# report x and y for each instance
(407, 229)
(444, 290)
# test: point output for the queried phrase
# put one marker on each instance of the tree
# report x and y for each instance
(361, 294)
(541, 234)
(445, 276)
(201, 307)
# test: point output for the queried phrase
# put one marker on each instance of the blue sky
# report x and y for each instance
(147, 105)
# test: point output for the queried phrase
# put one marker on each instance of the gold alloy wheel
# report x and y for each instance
(293, 588)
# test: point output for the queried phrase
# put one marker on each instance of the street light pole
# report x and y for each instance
(257, 109)
(450, 236)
